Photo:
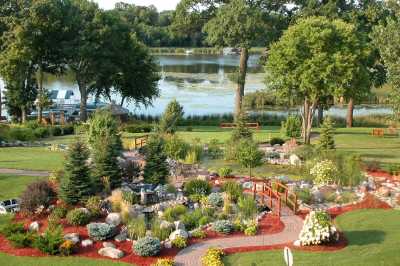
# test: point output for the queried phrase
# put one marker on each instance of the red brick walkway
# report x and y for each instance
(192, 254)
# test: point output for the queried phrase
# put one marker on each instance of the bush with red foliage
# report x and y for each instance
(37, 194)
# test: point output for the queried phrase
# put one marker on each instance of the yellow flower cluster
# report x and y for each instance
(213, 257)
(164, 262)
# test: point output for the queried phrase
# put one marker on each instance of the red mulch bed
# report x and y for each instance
(89, 252)
(369, 202)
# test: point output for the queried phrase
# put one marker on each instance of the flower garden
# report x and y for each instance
(140, 206)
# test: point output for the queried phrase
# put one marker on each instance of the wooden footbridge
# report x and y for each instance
(275, 195)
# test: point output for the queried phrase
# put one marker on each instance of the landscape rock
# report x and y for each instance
(114, 219)
(108, 245)
(73, 237)
(111, 253)
(121, 237)
(177, 233)
(86, 211)
(167, 244)
(87, 243)
(34, 227)
(297, 243)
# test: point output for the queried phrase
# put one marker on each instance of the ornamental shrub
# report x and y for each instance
(275, 141)
(93, 204)
(317, 229)
(197, 187)
(214, 150)
(213, 257)
(37, 194)
(41, 132)
(22, 240)
(223, 226)
(324, 172)
(224, 171)
(159, 232)
(50, 241)
(173, 213)
(101, 231)
(291, 127)
(215, 199)
(199, 234)
(179, 242)
(12, 228)
(78, 217)
(60, 212)
(204, 220)
(136, 228)
(56, 131)
(53, 221)
(251, 230)
(327, 137)
(191, 219)
(147, 246)
(233, 189)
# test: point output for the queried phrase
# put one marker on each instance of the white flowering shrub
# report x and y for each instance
(324, 172)
(317, 229)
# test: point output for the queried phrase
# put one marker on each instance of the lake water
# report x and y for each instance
(200, 83)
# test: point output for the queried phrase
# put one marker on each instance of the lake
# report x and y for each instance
(201, 84)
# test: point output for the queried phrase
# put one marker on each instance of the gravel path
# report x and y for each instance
(23, 172)
(192, 254)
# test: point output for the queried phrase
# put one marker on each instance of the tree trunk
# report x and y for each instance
(83, 104)
(1, 104)
(320, 114)
(250, 171)
(350, 111)
(244, 57)
(122, 102)
(307, 117)
(23, 114)
(39, 104)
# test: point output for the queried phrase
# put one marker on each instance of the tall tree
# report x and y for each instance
(314, 59)
(234, 23)
(364, 15)
(171, 117)
(387, 39)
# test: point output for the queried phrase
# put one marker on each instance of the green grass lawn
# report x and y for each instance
(374, 240)
(11, 186)
(359, 140)
(35, 158)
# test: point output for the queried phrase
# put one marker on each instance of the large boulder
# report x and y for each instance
(114, 219)
(178, 233)
(73, 237)
(34, 226)
(111, 253)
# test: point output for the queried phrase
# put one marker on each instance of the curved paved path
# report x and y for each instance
(192, 254)
(23, 172)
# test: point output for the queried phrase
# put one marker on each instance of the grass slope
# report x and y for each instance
(11, 186)
(373, 235)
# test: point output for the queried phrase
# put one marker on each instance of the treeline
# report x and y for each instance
(146, 123)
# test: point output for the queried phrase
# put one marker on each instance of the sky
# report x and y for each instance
(160, 4)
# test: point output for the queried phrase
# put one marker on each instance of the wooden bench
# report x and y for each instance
(234, 125)
(393, 131)
(378, 132)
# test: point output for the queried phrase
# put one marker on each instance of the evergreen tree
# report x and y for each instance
(105, 158)
(241, 131)
(326, 140)
(156, 168)
(170, 119)
(105, 142)
(76, 185)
